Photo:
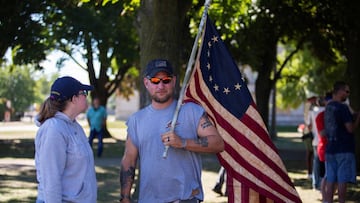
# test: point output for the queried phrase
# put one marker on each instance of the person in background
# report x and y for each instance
(316, 170)
(308, 135)
(8, 110)
(64, 161)
(340, 149)
(319, 121)
(96, 117)
(220, 182)
(176, 178)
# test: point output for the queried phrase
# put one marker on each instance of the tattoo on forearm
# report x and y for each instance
(203, 141)
(207, 121)
(127, 177)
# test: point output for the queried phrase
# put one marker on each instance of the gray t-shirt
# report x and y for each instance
(173, 178)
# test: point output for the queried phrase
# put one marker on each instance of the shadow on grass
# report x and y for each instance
(18, 183)
(17, 148)
(108, 171)
(112, 148)
(352, 195)
(108, 184)
(297, 171)
(17, 200)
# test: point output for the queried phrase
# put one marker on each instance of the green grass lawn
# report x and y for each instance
(18, 181)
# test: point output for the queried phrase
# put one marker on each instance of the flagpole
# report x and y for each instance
(188, 71)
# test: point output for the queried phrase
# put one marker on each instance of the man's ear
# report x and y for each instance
(146, 82)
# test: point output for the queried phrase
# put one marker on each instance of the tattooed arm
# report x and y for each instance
(209, 139)
(127, 170)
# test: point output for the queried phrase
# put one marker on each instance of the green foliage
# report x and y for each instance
(22, 31)
(42, 87)
(109, 30)
(226, 15)
(305, 73)
(251, 28)
(101, 32)
(17, 86)
(130, 82)
(104, 31)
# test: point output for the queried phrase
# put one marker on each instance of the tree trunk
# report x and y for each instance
(264, 83)
(160, 27)
(272, 127)
(100, 90)
(262, 92)
(352, 78)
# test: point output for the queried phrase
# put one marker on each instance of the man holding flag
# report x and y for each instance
(255, 172)
(177, 178)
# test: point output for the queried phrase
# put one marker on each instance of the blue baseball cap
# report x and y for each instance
(66, 87)
(158, 65)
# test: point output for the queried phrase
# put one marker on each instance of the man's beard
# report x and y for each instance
(161, 100)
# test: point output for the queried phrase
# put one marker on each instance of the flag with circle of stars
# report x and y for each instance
(223, 77)
(255, 172)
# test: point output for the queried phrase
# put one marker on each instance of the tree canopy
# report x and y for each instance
(22, 31)
(294, 45)
(17, 87)
(315, 36)
(100, 33)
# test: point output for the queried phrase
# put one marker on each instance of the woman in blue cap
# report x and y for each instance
(63, 157)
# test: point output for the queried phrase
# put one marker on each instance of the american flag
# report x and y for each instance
(255, 171)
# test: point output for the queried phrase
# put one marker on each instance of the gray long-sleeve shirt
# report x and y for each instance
(64, 162)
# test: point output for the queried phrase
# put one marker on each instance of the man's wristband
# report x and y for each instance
(122, 197)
